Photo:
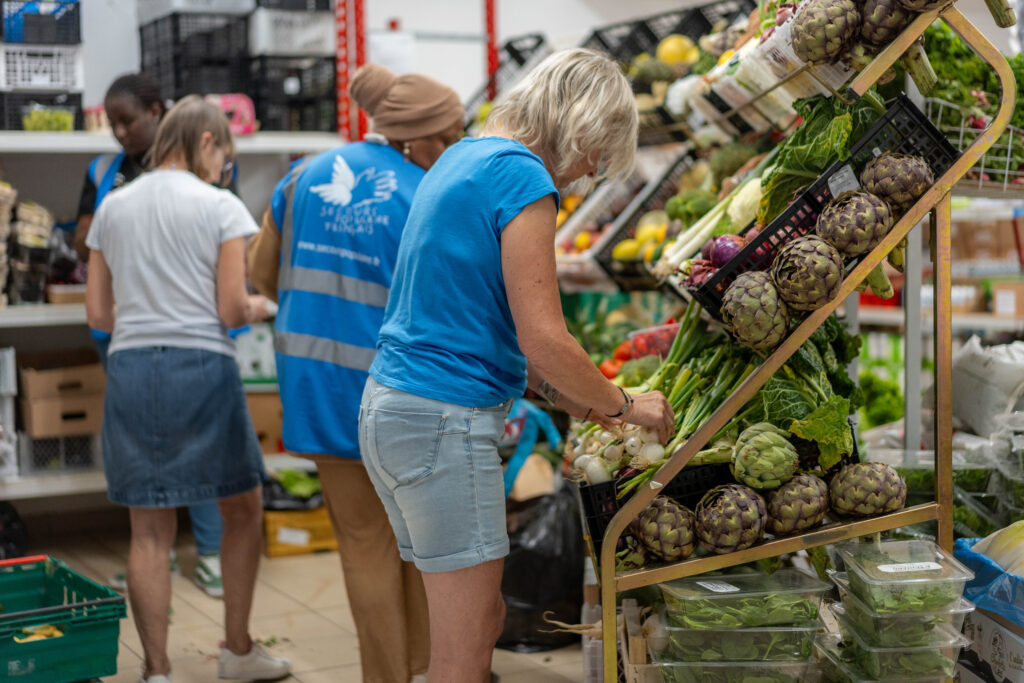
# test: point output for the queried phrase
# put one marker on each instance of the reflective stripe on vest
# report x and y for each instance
(292, 278)
(103, 172)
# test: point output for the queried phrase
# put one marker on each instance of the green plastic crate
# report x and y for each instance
(40, 590)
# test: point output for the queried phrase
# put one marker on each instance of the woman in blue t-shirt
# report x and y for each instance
(473, 318)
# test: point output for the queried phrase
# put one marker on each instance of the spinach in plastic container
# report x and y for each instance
(904, 576)
(973, 480)
(836, 662)
(735, 672)
(740, 645)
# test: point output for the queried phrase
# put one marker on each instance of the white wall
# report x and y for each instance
(110, 41)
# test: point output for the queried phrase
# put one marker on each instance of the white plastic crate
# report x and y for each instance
(8, 368)
(42, 67)
(151, 10)
(290, 33)
(58, 456)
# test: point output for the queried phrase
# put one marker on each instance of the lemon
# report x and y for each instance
(677, 49)
(571, 202)
(651, 233)
(560, 217)
(726, 56)
(647, 250)
(582, 241)
(626, 250)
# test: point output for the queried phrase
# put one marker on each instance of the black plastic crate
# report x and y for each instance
(635, 276)
(600, 502)
(317, 115)
(292, 77)
(309, 5)
(42, 22)
(516, 57)
(903, 129)
(659, 127)
(196, 53)
(625, 41)
(12, 104)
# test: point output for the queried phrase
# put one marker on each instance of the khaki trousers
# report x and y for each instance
(389, 605)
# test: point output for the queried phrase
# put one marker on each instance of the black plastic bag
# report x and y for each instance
(543, 571)
(13, 534)
(275, 497)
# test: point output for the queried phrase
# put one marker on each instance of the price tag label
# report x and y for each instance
(287, 536)
(910, 567)
(843, 180)
(718, 586)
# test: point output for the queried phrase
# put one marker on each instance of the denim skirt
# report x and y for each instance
(176, 428)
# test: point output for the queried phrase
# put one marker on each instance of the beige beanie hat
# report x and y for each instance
(405, 107)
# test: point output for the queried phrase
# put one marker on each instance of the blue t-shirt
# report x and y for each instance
(448, 333)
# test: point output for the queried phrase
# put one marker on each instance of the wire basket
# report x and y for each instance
(635, 275)
(903, 129)
(42, 67)
(516, 58)
(294, 93)
(58, 455)
(1000, 168)
(45, 22)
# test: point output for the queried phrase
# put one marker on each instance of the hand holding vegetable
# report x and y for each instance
(651, 410)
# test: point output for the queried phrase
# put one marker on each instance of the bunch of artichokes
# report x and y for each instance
(899, 179)
(822, 27)
(752, 309)
(763, 457)
(868, 488)
(855, 222)
(807, 273)
(665, 529)
(797, 505)
(730, 518)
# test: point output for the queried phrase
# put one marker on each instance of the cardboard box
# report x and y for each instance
(968, 297)
(65, 294)
(1008, 299)
(965, 673)
(999, 645)
(298, 532)
(62, 373)
(267, 414)
(46, 418)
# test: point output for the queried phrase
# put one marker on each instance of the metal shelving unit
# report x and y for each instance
(935, 204)
(17, 142)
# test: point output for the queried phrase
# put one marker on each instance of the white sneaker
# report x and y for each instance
(257, 664)
(208, 576)
(154, 679)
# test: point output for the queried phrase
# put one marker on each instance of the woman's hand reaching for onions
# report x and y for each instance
(652, 410)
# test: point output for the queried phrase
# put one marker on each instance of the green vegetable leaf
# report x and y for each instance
(784, 401)
(827, 425)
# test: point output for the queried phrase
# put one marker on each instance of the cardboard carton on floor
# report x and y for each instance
(298, 532)
(998, 643)
(266, 413)
(47, 418)
(58, 374)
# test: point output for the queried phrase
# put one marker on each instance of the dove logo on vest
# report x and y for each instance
(349, 200)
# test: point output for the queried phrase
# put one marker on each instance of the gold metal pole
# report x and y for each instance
(739, 398)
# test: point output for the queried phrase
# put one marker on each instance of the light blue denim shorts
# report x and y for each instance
(435, 466)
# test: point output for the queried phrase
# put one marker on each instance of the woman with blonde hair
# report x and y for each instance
(168, 255)
(473, 318)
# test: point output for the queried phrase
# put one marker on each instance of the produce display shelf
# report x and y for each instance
(52, 485)
(99, 143)
(893, 317)
(937, 202)
(42, 315)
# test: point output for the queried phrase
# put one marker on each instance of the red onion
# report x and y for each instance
(725, 248)
(705, 251)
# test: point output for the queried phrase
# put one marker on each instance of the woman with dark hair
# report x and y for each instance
(135, 108)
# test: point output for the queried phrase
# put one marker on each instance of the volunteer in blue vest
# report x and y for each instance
(167, 278)
(326, 252)
(134, 108)
(473, 318)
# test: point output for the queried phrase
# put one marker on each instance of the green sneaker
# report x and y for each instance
(208, 575)
(119, 581)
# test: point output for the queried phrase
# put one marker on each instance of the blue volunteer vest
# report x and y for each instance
(341, 216)
(103, 173)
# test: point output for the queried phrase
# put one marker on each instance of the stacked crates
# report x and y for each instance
(42, 73)
(279, 52)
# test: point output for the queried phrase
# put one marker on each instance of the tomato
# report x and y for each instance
(610, 368)
(623, 351)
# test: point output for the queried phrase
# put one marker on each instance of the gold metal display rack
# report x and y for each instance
(937, 201)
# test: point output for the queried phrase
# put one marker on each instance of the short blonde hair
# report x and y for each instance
(575, 104)
(182, 128)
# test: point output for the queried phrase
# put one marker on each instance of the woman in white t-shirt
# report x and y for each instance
(168, 253)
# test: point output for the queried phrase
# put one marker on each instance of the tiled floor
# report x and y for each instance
(300, 607)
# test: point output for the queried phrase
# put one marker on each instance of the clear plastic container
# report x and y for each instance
(831, 659)
(938, 658)
(778, 644)
(894, 630)
(784, 598)
(904, 576)
(656, 341)
(728, 672)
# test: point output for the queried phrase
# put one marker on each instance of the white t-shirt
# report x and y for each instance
(161, 237)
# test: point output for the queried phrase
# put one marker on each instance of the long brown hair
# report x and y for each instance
(181, 131)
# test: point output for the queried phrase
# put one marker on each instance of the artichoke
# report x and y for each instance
(855, 222)
(807, 273)
(730, 518)
(665, 529)
(899, 179)
(858, 56)
(752, 309)
(633, 556)
(764, 458)
(822, 27)
(883, 20)
(865, 489)
(797, 505)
